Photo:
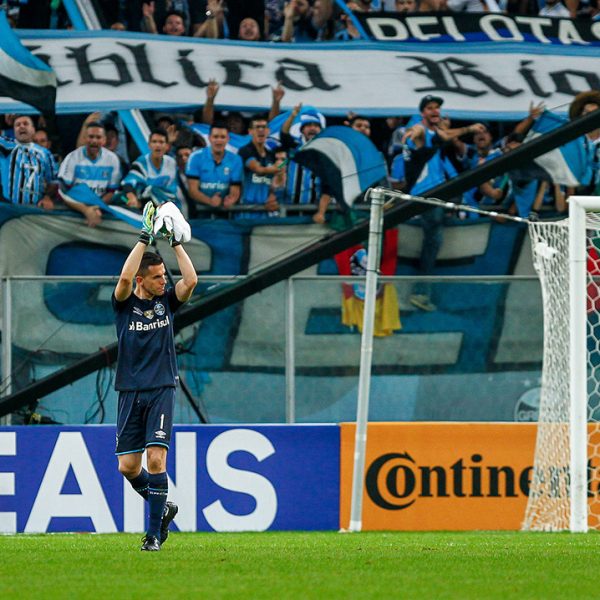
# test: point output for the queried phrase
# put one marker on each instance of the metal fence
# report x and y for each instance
(290, 353)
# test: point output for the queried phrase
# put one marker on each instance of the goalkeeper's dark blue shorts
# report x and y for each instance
(145, 418)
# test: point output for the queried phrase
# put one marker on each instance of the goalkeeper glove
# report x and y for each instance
(146, 235)
(170, 238)
(167, 232)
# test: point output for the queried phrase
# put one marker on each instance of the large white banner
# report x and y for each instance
(112, 70)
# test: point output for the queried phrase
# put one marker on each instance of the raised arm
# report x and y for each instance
(535, 110)
(278, 94)
(208, 110)
(148, 23)
(214, 20)
(185, 286)
(124, 286)
(289, 13)
(448, 135)
(285, 128)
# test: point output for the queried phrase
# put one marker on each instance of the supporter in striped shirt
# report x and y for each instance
(28, 171)
(155, 169)
(303, 186)
(96, 167)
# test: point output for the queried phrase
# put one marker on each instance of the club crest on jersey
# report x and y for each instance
(159, 309)
(149, 314)
(226, 170)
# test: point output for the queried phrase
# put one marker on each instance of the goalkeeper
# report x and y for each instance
(146, 365)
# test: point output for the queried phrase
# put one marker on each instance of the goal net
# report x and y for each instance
(564, 489)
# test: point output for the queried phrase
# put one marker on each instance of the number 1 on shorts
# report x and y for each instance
(162, 421)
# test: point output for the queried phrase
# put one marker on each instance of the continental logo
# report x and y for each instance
(395, 481)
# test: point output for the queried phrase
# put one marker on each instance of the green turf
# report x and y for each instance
(302, 565)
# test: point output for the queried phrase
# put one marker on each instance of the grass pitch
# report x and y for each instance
(302, 565)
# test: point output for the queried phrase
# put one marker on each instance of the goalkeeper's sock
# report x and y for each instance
(158, 487)
(140, 483)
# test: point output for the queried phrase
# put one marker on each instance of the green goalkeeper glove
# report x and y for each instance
(146, 235)
(170, 237)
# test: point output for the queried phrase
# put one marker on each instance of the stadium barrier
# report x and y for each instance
(419, 476)
(223, 479)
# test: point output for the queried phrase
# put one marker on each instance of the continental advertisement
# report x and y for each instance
(440, 476)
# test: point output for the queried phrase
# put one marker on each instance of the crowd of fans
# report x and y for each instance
(209, 176)
(272, 20)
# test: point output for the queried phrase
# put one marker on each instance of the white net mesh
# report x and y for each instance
(548, 507)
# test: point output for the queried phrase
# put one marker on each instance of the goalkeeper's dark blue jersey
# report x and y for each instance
(147, 356)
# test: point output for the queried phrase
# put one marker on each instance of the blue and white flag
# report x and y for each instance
(346, 160)
(82, 193)
(24, 77)
(569, 165)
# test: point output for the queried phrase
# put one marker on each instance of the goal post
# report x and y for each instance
(566, 256)
(578, 437)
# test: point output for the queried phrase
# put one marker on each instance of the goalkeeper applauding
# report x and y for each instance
(146, 366)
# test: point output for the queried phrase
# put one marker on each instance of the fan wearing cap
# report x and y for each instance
(310, 126)
(431, 134)
(303, 186)
(426, 167)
